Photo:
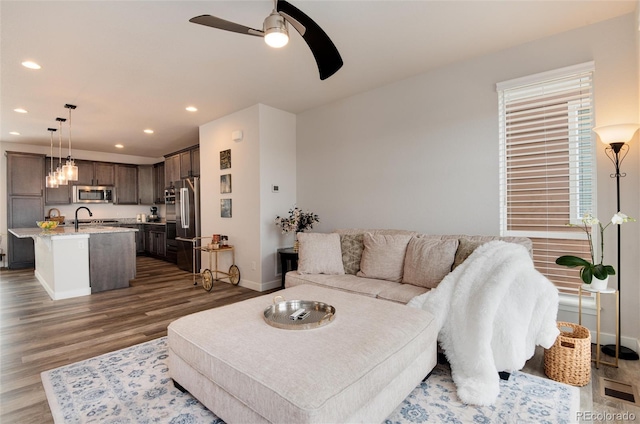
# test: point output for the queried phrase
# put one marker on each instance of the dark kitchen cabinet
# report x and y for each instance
(25, 174)
(25, 204)
(23, 213)
(126, 184)
(146, 187)
(190, 163)
(60, 195)
(139, 237)
(156, 241)
(171, 170)
(195, 162)
(95, 173)
(185, 164)
(104, 173)
(158, 183)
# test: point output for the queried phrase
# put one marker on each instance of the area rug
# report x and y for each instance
(132, 385)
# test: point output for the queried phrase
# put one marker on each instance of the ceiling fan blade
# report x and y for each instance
(324, 51)
(214, 22)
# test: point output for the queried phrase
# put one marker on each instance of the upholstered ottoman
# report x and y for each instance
(357, 368)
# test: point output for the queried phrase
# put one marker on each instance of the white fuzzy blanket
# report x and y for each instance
(492, 311)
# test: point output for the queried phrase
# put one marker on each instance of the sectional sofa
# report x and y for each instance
(394, 265)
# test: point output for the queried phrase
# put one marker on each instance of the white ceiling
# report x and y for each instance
(131, 65)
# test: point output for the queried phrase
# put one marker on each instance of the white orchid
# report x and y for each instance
(620, 218)
(588, 219)
(591, 269)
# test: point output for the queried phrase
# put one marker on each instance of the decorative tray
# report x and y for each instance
(298, 314)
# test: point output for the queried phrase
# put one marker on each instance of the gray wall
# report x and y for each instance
(422, 153)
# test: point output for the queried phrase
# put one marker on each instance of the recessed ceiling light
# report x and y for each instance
(148, 131)
(31, 65)
(119, 146)
(20, 110)
(192, 108)
(14, 133)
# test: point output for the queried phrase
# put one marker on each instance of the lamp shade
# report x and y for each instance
(619, 133)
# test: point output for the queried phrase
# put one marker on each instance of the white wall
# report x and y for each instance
(265, 156)
(277, 167)
(422, 153)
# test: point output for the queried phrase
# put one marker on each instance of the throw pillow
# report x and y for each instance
(383, 256)
(319, 254)
(465, 248)
(352, 247)
(428, 261)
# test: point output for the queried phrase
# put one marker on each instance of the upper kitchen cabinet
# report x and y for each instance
(190, 163)
(158, 183)
(171, 170)
(146, 187)
(183, 164)
(60, 195)
(25, 174)
(195, 162)
(96, 173)
(126, 184)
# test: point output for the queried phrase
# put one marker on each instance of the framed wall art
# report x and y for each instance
(225, 183)
(225, 208)
(225, 159)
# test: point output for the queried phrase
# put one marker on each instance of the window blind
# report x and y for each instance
(547, 166)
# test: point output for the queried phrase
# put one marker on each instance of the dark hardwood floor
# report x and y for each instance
(38, 334)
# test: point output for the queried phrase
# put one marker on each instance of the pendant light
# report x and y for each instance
(62, 178)
(70, 169)
(52, 179)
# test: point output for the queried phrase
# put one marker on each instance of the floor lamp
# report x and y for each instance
(617, 137)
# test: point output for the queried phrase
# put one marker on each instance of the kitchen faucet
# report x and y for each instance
(81, 207)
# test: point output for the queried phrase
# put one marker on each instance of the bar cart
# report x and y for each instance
(212, 274)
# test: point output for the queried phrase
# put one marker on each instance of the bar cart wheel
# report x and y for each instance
(207, 280)
(234, 274)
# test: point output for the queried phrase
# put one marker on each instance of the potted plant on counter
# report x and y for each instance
(596, 274)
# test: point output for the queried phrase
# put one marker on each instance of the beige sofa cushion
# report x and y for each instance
(428, 261)
(383, 256)
(319, 254)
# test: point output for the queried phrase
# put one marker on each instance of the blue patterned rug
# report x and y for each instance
(132, 385)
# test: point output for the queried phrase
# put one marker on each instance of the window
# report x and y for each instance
(547, 165)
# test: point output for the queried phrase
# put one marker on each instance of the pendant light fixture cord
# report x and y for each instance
(51, 130)
(70, 107)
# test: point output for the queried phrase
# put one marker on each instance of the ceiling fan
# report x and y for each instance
(276, 34)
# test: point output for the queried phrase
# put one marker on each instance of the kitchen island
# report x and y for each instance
(72, 263)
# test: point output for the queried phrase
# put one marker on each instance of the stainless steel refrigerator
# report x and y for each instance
(188, 223)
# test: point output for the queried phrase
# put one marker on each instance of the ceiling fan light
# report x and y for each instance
(276, 34)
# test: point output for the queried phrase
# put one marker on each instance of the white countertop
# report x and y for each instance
(67, 231)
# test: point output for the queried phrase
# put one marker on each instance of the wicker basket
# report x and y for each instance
(569, 359)
(54, 215)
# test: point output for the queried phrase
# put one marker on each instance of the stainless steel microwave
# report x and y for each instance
(93, 194)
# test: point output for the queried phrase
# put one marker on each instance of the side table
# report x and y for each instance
(616, 293)
(288, 261)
